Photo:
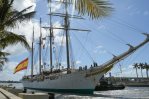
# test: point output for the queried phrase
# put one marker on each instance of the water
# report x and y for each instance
(127, 93)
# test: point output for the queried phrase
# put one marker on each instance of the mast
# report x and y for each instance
(51, 36)
(40, 41)
(66, 26)
(66, 29)
(32, 55)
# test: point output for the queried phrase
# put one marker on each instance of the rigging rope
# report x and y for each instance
(61, 49)
(71, 54)
(120, 21)
(85, 41)
(84, 48)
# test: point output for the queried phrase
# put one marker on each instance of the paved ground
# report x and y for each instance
(8, 94)
(2, 96)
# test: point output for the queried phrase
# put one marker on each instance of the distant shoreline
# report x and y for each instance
(10, 82)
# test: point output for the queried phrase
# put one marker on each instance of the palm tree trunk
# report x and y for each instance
(141, 73)
(147, 72)
(136, 72)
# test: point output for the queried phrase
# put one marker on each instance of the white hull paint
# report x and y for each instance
(74, 81)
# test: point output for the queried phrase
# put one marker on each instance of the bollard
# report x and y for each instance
(33, 92)
(51, 95)
(24, 90)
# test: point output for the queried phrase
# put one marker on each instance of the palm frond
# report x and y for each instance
(3, 58)
(3, 54)
(3, 61)
(5, 6)
(93, 8)
(18, 16)
(18, 19)
(9, 38)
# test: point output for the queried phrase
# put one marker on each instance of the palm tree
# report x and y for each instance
(9, 19)
(141, 66)
(93, 8)
(147, 68)
(136, 67)
(3, 59)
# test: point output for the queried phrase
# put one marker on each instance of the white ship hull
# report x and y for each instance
(76, 82)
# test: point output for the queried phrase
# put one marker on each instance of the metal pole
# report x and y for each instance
(40, 40)
(51, 36)
(67, 39)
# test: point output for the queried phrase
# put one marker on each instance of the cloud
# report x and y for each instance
(7, 73)
(78, 62)
(21, 4)
(127, 71)
(99, 50)
(58, 34)
(55, 6)
(25, 29)
(99, 47)
(15, 49)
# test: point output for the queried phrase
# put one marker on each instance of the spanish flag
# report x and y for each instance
(21, 66)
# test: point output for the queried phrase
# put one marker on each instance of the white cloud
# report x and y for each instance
(15, 49)
(99, 50)
(99, 47)
(21, 4)
(58, 34)
(127, 71)
(7, 73)
(55, 6)
(78, 62)
(25, 29)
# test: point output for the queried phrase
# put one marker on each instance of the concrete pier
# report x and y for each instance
(12, 93)
(34, 96)
(2, 96)
(7, 95)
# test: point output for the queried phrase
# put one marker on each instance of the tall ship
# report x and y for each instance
(68, 79)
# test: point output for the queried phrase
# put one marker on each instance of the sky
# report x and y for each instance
(108, 36)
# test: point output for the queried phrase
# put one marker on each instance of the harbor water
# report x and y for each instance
(127, 93)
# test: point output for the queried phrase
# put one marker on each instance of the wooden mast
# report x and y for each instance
(51, 36)
(32, 58)
(66, 19)
(40, 40)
